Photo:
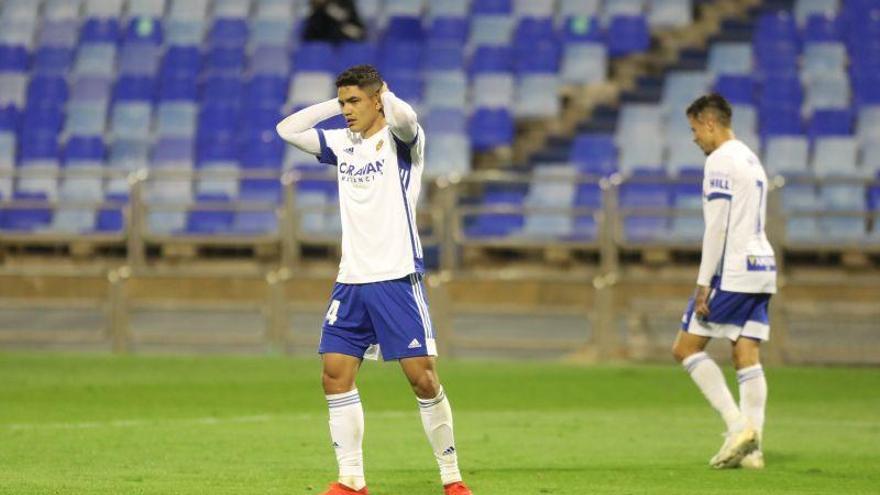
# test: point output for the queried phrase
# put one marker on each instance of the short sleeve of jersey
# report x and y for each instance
(330, 141)
(717, 180)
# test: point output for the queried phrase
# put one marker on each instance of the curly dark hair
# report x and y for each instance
(715, 103)
(362, 76)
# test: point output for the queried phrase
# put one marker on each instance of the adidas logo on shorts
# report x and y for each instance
(414, 344)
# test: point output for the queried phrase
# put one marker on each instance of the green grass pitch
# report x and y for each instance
(85, 424)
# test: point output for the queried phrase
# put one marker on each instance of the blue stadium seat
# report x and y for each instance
(537, 58)
(738, 89)
(228, 32)
(181, 60)
(404, 29)
(222, 90)
(47, 91)
(831, 122)
(491, 129)
(628, 35)
(777, 58)
(867, 88)
(265, 91)
(135, 88)
(315, 57)
(351, 54)
(444, 57)
(594, 154)
(775, 26)
(109, 220)
(821, 28)
(96, 30)
(401, 59)
(13, 58)
(498, 224)
(491, 7)
(26, 220)
(262, 190)
(178, 88)
(225, 60)
(639, 227)
(9, 119)
(210, 221)
(780, 121)
(491, 59)
(84, 149)
(48, 119)
(455, 30)
(49, 61)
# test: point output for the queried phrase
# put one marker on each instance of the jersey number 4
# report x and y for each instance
(331, 313)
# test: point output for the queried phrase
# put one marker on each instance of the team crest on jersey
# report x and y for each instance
(379, 144)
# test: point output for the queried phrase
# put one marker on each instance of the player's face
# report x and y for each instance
(704, 133)
(360, 107)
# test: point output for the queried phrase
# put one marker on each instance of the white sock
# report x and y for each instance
(347, 434)
(753, 395)
(437, 420)
(710, 380)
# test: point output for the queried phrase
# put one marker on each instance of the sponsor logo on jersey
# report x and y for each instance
(362, 174)
(350, 150)
(379, 144)
(761, 263)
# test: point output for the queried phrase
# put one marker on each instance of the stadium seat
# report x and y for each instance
(231, 9)
(491, 30)
(184, 32)
(14, 58)
(578, 8)
(868, 124)
(13, 89)
(491, 128)
(188, 9)
(453, 30)
(820, 59)
(62, 34)
(271, 31)
(210, 221)
(228, 32)
(29, 219)
(830, 91)
(594, 154)
(448, 153)
(787, 155)
(85, 118)
(834, 122)
(95, 59)
(648, 155)
(584, 63)
(61, 10)
(637, 226)
(803, 9)
(139, 59)
(628, 34)
(552, 186)
(836, 157)
(446, 89)
(100, 31)
(130, 120)
(680, 88)
(670, 13)
(730, 58)
(91, 89)
(737, 89)
(494, 91)
(146, 8)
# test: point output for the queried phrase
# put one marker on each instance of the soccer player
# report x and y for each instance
(379, 300)
(736, 279)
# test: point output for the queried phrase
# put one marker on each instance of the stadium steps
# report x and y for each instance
(634, 78)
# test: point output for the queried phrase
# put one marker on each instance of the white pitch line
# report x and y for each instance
(539, 417)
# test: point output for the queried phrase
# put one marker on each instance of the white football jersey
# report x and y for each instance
(748, 264)
(379, 181)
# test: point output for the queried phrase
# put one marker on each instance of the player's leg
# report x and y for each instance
(436, 413)
(688, 350)
(345, 337)
(752, 392)
(346, 417)
(399, 311)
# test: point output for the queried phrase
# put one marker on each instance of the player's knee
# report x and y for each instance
(743, 358)
(681, 351)
(336, 383)
(425, 385)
